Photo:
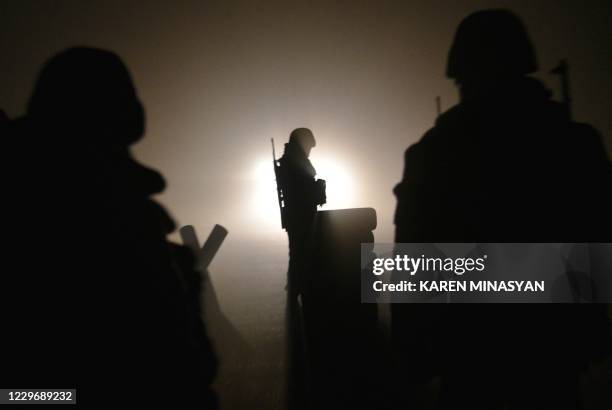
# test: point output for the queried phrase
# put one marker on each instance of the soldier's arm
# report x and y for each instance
(410, 194)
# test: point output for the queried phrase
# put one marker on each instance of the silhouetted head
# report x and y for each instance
(490, 44)
(303, 138)
(88, 93)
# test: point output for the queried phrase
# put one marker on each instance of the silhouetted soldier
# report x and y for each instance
(302, 193)
(103, 302)
(504, 165)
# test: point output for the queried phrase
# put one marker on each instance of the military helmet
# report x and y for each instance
(90, 92)
(490, 43)
(303, 137)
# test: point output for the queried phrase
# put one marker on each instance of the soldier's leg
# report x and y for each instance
(297, 389)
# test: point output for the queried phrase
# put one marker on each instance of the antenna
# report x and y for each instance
(273, 151)
(438, 106)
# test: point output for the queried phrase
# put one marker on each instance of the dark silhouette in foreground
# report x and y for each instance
(101, 301)
(506, 164)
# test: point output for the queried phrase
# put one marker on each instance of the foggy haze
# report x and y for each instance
(219, 79)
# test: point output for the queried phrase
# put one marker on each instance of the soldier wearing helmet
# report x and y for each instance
(302, 193)
(106, 260)
(498, 167)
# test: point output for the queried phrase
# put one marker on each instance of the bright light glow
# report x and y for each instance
(264, 201)
(340, 189)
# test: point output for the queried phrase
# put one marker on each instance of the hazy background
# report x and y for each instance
(220, 78)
